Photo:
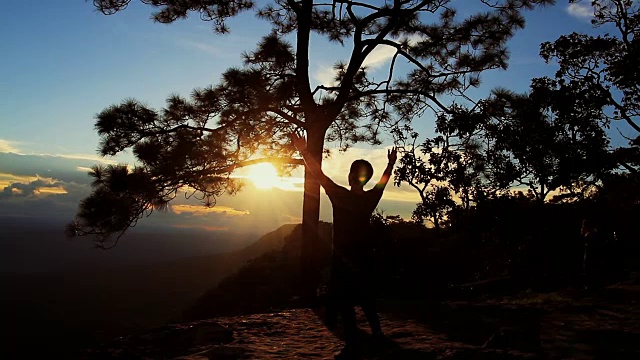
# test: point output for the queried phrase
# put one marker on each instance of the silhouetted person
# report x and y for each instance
(594, 254)
(575, 261)
(351, 280)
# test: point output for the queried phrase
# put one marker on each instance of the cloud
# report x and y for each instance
(199, 210)
(8, 179)
(63, 168)
(38, 187)
(381, 55)
(45, 187)
(204, 47)
(200, 227)
(50, 190)
(325, 75)
(580, 10)
(48, 187)
(89, 157)
(290, 219)
(291, 183)
(8, 146)
(84, 169)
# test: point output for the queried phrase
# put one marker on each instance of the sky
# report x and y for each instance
(62, 62)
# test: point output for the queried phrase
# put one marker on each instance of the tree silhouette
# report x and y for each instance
(550, 137)
(451, 163)
(196, 142)
(607, 64)
(546, 139)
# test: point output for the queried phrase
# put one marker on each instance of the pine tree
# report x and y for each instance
(196, 142)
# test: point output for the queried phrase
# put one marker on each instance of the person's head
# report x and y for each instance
(360, 173)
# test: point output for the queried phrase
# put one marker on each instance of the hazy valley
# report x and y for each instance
(89, 295)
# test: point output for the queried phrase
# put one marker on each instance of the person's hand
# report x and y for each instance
(298, 141)
(392, 155)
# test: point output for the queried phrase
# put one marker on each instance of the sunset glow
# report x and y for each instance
(264, 176)
(54, 190)
(203, 210)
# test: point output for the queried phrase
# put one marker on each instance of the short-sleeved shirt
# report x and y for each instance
(351, 216)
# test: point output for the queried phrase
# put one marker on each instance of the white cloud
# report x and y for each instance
(580, 10)
(383, 53)
(325, 75)
(95, 158)
(84, 169)
(204, 47)
(379, 56)
(8, 146)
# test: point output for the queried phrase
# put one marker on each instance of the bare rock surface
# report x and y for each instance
(552, 326)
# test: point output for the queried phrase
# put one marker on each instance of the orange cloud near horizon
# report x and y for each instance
(57, 190)
(201, 227)
(8, 179)
(200, 210)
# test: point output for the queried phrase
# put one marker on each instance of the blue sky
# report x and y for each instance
(62, 62)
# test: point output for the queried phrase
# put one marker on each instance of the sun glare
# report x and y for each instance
(264, 176)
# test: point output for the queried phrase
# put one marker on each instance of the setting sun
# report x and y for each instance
(264, 176)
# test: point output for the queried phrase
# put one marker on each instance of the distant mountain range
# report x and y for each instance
(36, 245)
(75, 306)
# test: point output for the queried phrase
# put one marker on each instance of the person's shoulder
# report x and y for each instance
(335, 188)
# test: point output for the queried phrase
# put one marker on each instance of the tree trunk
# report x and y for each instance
(436, 222)
(310, 266)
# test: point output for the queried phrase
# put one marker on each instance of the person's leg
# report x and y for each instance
(346, 302)
(368, 305)
(371, 313)
(367, 298)
(348, 314)
(333, 297)
(331, 313)
(349, 326)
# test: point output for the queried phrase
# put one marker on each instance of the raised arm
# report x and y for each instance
(301, 144)
(392, 155)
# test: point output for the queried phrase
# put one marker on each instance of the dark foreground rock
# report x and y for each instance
(603, 325)
(291, 334)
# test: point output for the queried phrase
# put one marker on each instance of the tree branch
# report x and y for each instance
(287, 117)
(355, 3)
(375, 42)
(402, 91)
(179, 127)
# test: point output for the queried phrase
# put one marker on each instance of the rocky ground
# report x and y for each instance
(576, 325)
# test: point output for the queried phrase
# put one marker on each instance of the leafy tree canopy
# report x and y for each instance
(550, 137)
(546, 139)
(608, 64)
